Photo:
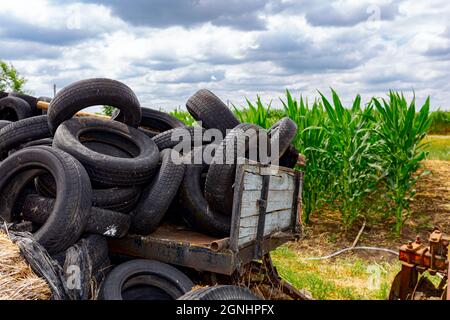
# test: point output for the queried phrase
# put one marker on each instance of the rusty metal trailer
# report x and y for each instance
(266, 214)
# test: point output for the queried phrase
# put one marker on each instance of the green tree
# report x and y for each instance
(10, 79)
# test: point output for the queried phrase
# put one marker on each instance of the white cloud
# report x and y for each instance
(166, 62)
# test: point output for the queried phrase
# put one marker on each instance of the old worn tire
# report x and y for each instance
(290, 157)
(104, 170)
(68, 219)
(206, 107)
(14, 194)
(32, 101)
(198, 214)
(41, 142)
(23, 131)
(92, 92)
(115, 199)
(4, 123)
(153, 120)
(168, 278)
(220, 178)
(103, 222)
(193, 135)
(221, 293)
(157, 197)
(282, 133)
(14, 109)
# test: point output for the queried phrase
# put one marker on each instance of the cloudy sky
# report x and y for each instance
(167, 49)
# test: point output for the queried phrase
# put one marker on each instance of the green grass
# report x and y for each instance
(438, 147)
(338, 279)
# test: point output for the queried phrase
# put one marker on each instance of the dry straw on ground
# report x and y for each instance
(17, 280)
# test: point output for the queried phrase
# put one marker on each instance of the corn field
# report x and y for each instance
(362, 159)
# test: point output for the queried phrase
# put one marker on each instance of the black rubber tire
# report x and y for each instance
(148, 292)
(3, 94)
(282, 133)
(169, 279)
(107, 149)
(198, 214)
(21, 132)
(14, 195)
(32, 101)
(106, 170)
(219, 191)
(73, 202)
(164, 139)
(221, 293)
(115, 199)
(149, 133)
(92, 92)
(290, 157)
(14, 109)
(206, 107)
(158, 196)
(41, 142)
(153, 120)
(107, 223)
(4, 123)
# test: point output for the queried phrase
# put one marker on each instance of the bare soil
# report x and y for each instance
(430, 208)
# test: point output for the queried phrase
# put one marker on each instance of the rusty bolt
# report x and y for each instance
(418, 241)
(410, 246)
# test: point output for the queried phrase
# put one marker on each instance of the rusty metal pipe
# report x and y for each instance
(219, 245)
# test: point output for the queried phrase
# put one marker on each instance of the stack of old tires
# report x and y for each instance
(73, 182)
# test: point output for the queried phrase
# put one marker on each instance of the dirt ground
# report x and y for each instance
(430, 208)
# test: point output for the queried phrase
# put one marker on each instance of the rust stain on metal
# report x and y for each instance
(418, 258)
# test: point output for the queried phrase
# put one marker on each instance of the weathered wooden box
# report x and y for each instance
(266, 214)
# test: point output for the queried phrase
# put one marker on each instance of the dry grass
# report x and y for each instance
(17, 280)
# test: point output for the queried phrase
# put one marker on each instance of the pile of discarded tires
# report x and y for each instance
(73, 182)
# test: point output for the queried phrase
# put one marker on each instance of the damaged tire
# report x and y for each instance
(68, 218)
(115, 199)
(92, 92)
(23, 131)
(107, 223)
(188, 137)
(32, 101)
(14, 109)
(145, 280)
(158, 196)
(206, 107)
(198, 214)
(219, 190)
(104, 170)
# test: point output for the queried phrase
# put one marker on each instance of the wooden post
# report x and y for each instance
(44, 106)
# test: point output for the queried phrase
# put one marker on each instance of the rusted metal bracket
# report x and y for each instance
(262, 204)
(285, 286)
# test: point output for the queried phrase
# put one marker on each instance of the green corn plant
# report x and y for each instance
(183, 116)
(351, 150)
(401, 131)
(311, 141)
(256, 114)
